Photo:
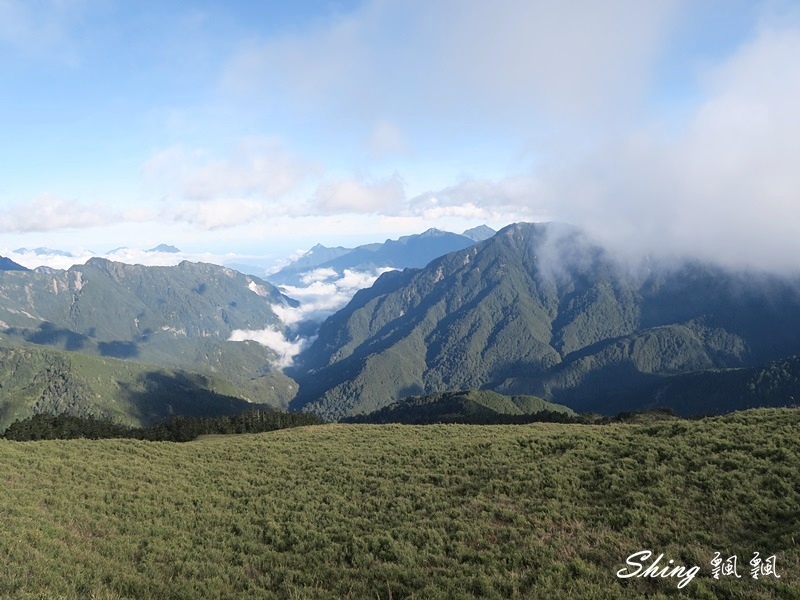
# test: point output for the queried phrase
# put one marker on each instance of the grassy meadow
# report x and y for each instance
(391, 511)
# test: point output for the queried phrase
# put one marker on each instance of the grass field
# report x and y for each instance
(380, 511)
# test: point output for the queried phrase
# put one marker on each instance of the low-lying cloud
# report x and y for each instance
(324, 292)
(274, 340)
(57, 259)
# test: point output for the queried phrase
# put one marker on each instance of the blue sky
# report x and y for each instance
(264, 127)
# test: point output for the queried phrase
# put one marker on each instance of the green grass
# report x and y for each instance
(440, 511)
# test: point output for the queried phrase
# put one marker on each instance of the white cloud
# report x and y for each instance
(455, 81)
(724, 188)
(318, 275)
(465, 211)
(131, 256)
(49, 213)
(275, 340)
(220, 213)
(325, 294)
(352, 281)
(360, 196)
(32, 260)
(498, 62)
(256, 180)
(285, 261)
(514, 198)
(569, 58)
(255, 168)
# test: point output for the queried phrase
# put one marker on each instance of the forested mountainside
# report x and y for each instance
(41, 380)
(536, 310)
(539, 309)
(172, 317)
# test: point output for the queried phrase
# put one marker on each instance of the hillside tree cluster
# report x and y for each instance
(177, 429)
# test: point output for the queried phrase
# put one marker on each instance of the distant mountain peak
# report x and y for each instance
(431, 232)
(164, 248)
(479, 233)
(42, 251)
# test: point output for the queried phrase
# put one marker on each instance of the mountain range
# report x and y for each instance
(539, 309)
(536, 310)
(407, 251)
(178, 318)
(42, 251)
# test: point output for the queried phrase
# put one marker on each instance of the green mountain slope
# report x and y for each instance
(704, 392)
(111, 301)
(35, 379)
(177, 317)
(538, 309)
(479, 406)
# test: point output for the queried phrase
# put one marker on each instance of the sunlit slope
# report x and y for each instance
(35, 379)
(455, 511)
(177, 317)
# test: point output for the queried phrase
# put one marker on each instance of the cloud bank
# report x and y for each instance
(724, 187)
(50, 213)
(324, 293)
(274, 340)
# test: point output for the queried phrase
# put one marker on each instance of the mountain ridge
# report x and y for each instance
(540, 309)
(463, 406)
(409, 251)
(177, 317)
